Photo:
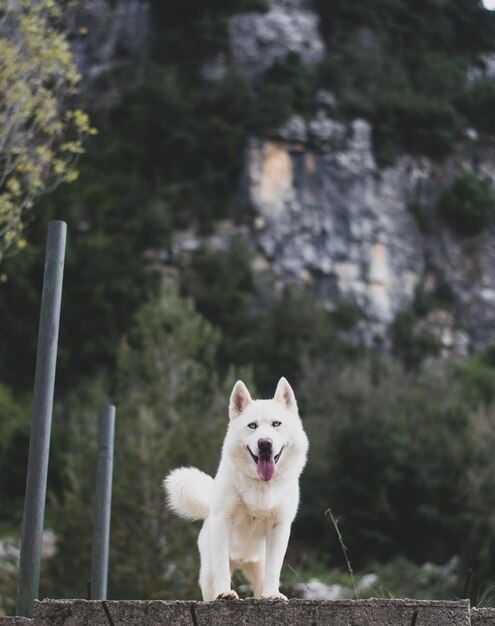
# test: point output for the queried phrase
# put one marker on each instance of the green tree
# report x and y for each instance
(468, 204)
(287, 88)
(40, 137)
(14, 441)
(403, 66)
(389, 454)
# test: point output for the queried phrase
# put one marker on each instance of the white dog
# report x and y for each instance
(249, 507)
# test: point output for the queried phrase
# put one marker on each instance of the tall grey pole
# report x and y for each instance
(39, 443)
(103, 503)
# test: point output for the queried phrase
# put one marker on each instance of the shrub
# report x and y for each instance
(412, 344)
(477, 377)
(405, 121)
(478, 104)
(286, 89)
(388, 454)
(188, 31)
(404, 70)
(468, 205)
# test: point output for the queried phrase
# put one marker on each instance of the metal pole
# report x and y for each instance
(39, 443)
(101, 531)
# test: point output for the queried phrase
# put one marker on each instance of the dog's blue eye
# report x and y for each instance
(253, 425)
(275, 424)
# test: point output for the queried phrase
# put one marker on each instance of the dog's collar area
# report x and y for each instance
(256, 458)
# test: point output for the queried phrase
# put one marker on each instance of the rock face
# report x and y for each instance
(256, 39)
(107, 36)
(103, 33)
(325, 215)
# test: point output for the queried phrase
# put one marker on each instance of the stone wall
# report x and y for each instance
(250, 612)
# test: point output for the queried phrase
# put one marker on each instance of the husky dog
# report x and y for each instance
(249, 506)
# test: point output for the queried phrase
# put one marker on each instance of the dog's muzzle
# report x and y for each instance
(266, 463)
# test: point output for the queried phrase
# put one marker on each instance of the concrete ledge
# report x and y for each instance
(254, 613)
(483, 617)
(15, 621)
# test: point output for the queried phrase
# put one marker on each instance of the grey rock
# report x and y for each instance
(256, 39)
(254, 613)
(326, 101)
(328, 220)
(293, 130)
(483, 617)
(325, 132)
(441, 324)
(108, 38)
(15, 621)
(215, 68)
(326, 216)
(465, 263)
(103, 33)
(486, 71)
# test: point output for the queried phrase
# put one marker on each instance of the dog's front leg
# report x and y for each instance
(277, 538)
(220, 536)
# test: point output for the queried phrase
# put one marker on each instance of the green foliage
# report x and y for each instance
(40, 137)
(286, 89)
(183, 147)
(405, 121)
(221, 285)
(70, 511)
(412, 344)
(441, 297)
(468, 204)
(412, 340)
(389, 457)
(478, 104)
(454, 26)
(14, 441)
(276, 339)
(480, 536)
(190, 31)
(129, 197)
(478, 379)
(15, 426)
(397, 578)
(106, 280)
(403, 67)
(403, 578)
(292, 331)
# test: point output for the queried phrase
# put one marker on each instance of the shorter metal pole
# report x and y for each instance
(101, 531)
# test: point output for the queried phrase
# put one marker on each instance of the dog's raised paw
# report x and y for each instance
(276, 597)
(228, 595)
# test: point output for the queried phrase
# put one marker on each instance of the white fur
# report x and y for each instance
(189, 492)
(247, 520)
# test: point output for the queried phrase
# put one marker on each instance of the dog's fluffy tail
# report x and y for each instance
(188, 492)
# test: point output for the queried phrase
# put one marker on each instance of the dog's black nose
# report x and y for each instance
(265, 446)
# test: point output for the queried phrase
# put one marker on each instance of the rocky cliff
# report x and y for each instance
(323, 213)
(327, 216)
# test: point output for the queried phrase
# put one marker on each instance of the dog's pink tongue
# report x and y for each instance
(265, 467)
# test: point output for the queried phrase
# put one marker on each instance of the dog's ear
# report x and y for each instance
(285, 395)
(239, 399)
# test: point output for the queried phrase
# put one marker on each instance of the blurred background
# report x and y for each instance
(256, 188)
